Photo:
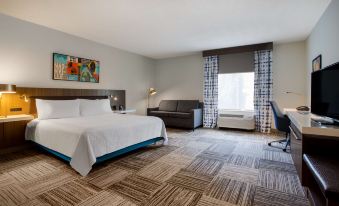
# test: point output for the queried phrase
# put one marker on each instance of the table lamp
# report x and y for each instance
(6, 89)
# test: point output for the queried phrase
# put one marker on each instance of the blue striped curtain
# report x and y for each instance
(211, 70)
(263, 90)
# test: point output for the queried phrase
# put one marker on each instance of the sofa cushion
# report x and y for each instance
(187, 105)
(168, 105)
(181, 115)
(160, 113)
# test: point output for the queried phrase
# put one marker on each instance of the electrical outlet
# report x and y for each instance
(16, 109)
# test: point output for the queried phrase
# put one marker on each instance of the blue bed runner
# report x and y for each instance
(110, 155)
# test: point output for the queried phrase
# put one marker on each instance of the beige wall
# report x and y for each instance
(324, 40)
(26, 60)
(289, 74)
(182, 77)
(179, 78)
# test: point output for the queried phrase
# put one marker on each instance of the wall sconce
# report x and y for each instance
(291, 92)
(115, 98)
(24, 97)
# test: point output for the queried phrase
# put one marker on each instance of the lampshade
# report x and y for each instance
(152, 91)
(7, 88)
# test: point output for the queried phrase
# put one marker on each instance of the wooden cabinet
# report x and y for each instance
(12, 131)
(13, 134)
(296, 149)
(1, 131)
(320, 143)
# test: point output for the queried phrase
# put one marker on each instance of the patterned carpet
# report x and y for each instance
(204, 168)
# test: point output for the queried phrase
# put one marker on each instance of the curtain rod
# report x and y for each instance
(238, 49)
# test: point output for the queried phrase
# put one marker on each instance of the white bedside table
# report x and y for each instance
(126, 111)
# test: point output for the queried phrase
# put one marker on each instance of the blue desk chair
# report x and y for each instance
(282, 124)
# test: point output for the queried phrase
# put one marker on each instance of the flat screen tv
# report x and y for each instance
(325, 92)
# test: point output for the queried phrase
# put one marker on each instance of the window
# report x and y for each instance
(236, 91)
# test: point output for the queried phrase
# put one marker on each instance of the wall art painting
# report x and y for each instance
(71, 68)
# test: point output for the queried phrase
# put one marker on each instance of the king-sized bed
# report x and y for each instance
(91, 136)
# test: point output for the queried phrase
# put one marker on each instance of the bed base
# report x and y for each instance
(109, 155)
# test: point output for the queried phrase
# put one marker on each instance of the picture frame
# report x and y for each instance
(316, 63)
(71, 68)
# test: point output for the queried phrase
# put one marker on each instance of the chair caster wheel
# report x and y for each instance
(284, 150)
(269, 144)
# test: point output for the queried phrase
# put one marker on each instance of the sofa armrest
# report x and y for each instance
(152, 109)
(197, 117)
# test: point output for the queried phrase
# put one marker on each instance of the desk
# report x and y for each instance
(304, 123)
(289, 110)
(309, 137)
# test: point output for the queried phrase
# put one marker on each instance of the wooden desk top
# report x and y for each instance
(13, 118)
(303, 121)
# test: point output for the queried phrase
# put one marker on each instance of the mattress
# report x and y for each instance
(83, 139)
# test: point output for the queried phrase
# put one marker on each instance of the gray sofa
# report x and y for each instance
(179, 113)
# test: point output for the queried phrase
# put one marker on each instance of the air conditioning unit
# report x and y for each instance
(236, 119)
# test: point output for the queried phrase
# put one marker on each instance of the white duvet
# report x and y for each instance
(86, 138)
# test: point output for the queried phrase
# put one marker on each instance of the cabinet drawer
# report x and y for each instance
(296, 151)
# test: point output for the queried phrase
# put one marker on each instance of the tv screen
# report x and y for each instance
(325, 92)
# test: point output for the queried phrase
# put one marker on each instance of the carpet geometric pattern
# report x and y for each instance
(206, 167)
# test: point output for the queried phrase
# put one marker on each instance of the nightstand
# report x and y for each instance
(12, 130)
(126, 111)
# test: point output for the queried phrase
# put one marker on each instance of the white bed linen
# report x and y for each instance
(86, 138)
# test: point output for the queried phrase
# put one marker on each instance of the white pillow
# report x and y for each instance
(56, 109)
(94, 107)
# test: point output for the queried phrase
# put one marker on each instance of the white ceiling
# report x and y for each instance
(168, 28)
